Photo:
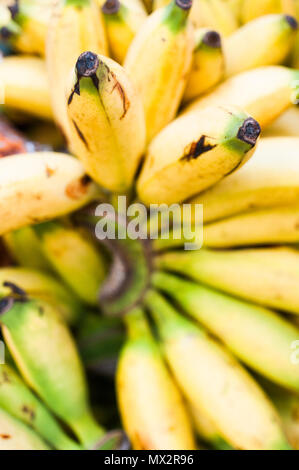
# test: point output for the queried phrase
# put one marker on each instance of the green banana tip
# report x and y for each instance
(212, 39)
(292, 22)
(184, 4)
(250, 131)
(111, 7)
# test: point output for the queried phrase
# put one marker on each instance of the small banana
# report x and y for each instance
(194, 152)
(150, 404)
(123, 20)
(235, 272)
(103, 101)
(257, 336)
(47, 358)
(273, 226)
(267, 180)
(208, 64)
(268, 40)
(264, 92)
(24, 86)
(74, 257)
(210, 376)
(75, 27)
(251, 9)
(159, 60)
(17, 399)
(215, 14)
(14, 435)
(286, 125)
(39, 186)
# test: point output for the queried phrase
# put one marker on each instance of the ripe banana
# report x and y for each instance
(268, 40)
(123, 20)
(75, 27)
(74, 257)
(20, 402)
(208, 64)
(15, 435)
(46, 355)
(24, 86)
(159, 60)
(39, 186)
(194, 152)
(264, 93)
(152, 409)
(257, 336)
(251, 9)
(267, 180)
(285, 125)
(235, 272)
(102, 101)
(209, 375)
(274, 226)
(214, 14)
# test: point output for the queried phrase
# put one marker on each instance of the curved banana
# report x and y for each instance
(75, 27)
(265, 181)
(271, 226)
(235, 272)
(24, 86)
(39, 186)
(287, 124)
(142, 378)
(268, 40)
(46, 355)
(123, 21)
(17, 436)
(159, 60)
(20, 402)
(68, 251)
(208, 64)
(251, 9)
(209, 375)
(103, 102)
(194, 152)
(264, 93)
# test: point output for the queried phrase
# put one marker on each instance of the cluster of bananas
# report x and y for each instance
(163, 102)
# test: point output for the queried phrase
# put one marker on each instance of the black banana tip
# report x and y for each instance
(250, 131)
(5, 304)
(14, 9)
(212, 39)
(87, 64)
(111, 7)
(184, 4)
(292, 22)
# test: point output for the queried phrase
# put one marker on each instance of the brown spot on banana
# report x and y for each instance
(81, 135)
(28, 411)
(195, 149)
(5, 436)
(75, 189)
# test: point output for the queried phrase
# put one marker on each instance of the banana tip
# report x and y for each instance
(111, 7)
(212, 39)
(14, 9)
(250, 131)
(292, 22)
(87, 64)
(184, 4)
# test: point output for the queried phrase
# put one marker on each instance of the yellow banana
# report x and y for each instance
(194, 152)
(277, 225)
(103, 102)
(75, 27)
(209, 375)
(295, 53)
(264, 93)
(265, 41)
(208, 64)
(151, 406)
(251, 9)
(24, 85)
(123, 21)
(39, 186)
(159, 60)
(285, 125)
(267, 180)
(214, 14)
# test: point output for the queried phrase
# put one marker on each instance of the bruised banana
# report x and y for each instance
(75, 27)
(194, 152)
(287, 124)
(251, 9)
(214, 14)
(203, 369)
(264, 93)
(158, 62)
(17, 436)
(152, 409)
(208, 63)
(24, 86)
(235, 272)
(103, 102)
(40, 186)
(74, 258)
(46, 355)
(20, 402)
(257, 336)
(267, 180)
(271, 226)
(122, 21)
(265, 41)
